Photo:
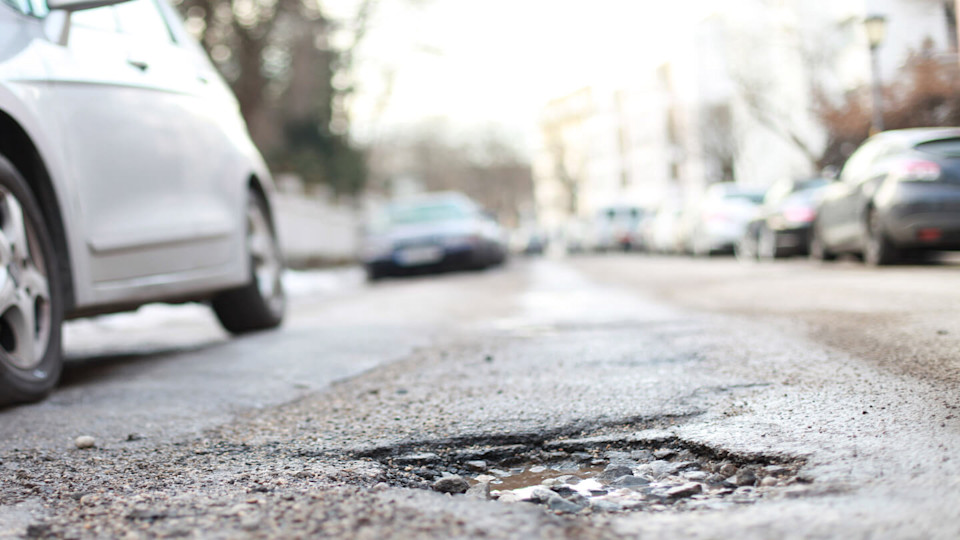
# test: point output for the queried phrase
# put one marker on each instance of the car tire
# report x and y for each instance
(816, 249)
(261, 303)
(745, 249)
(31, 295)
(373, 274)
(878, 250)
(767, 245)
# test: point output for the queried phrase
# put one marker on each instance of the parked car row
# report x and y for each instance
(897, 197)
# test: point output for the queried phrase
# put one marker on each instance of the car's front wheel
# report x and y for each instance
(817, 249)
(261, 303)
(878, 250)
(31, 301)
(767, 248)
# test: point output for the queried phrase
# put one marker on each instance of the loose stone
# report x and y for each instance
(85, 441)
(477, 465)
(696, 476)
(559, 504)
(684, 491)
(745, 478)
(451, 484)
(629, 481)
(613, 472)
(479, 491)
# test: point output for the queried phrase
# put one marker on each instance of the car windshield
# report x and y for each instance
(813, 183)
(755, 198)
(426, 213)
(949, 148)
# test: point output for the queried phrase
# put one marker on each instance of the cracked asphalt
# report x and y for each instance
(846, 374)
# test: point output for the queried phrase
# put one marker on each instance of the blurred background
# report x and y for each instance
(580, 125)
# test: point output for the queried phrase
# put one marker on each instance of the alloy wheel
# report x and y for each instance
(25, 312)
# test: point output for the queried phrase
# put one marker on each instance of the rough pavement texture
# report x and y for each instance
(546, 355)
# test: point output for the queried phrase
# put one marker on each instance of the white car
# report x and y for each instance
(721, 218)
(126, 176)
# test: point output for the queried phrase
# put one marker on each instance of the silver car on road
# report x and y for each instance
(126, 176)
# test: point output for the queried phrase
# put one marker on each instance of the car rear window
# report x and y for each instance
(944, 148)
(755, 198)
(427, 213)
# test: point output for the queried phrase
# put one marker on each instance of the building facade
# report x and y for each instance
(734, 99)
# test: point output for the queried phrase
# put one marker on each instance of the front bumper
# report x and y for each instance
(426, 258)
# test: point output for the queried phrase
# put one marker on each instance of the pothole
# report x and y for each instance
(654, 472)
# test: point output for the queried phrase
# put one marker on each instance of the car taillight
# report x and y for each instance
(916, 170)
(799, 214)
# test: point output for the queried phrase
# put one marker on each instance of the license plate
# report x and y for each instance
(414, 256)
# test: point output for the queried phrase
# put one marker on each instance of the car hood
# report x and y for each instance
(405, 233)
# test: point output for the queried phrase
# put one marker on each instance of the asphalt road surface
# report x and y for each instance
(595, 397)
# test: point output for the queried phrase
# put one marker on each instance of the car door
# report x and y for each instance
(841, 209)
(134, 130)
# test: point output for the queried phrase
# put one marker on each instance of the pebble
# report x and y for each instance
(716, 479)
(696, 476)
(686, 490)
(745, 478)
(614, 471)
(769, 482)
(562, 490)
(451, 484)
(85, 441)
(541, 495)
(728, 469)
(629, 481)
(559, 504)
(776, 470)
(476, 465)
(664, 453)
(479, 491)
(658, 469)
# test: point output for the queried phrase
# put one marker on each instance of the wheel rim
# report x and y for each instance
(267, 267)
(25, 314)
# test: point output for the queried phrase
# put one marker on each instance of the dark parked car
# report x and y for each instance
(782, 228)
(898, 194)
(432, 232)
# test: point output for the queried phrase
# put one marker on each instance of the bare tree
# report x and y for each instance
(720, 144)
(277, 56)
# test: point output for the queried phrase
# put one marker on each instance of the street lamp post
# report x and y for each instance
(876, 26)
